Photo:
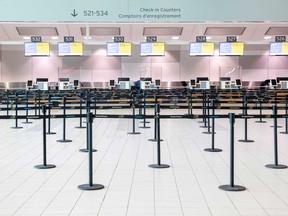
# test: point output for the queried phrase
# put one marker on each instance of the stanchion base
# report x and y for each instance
(64, 141)
(248, 141)
(87, 150)
(16, 127)
(206, 132)
(50, 133)
(91, 187)
(47, 166)
(284, 132)
(274, 166)
(145, 122)
(212, 150)
(157, 166)
(27, 122)
(204, 126)
(278, 126)
(80, 127)
(133, 133)
(260, 121)
(144, 127)
(230, 188)
(154, 140)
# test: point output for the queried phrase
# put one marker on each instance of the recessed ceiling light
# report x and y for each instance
(54, 38)
(208, 37)
(267, 37)
(88, 38)
(175, 38)
(26, 38)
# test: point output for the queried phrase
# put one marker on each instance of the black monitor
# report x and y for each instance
(202, 79)
(29, 83)
(41, 80)
(123, 79)
(224, 78)
(281, 79)
(157, 82)
(64, 79)
(76, 83)
(193, 82)
(273, 82)
(146, 79)
(111, 83)
(238, 82)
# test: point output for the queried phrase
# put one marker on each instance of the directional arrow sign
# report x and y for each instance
(74, 14)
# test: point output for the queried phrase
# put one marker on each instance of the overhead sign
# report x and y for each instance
(142, 11)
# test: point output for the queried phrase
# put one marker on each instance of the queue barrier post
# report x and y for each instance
(260, 111)
(213, 149)
(276, 165)
(232, 186)
(27, 110)
(286, 116)
(90, 185)
(133, 119)
(44, 165)
(16, 113)
(158, 165)
(144, 113)
(49, 115)
(64, 140)
(87, 104)
(80, 108)
(155, 124)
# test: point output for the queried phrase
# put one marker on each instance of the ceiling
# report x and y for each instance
(100, 33)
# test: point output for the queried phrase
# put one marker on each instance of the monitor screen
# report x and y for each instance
(70, 49)
(238, 82)
(118, 49)
(278, 48)
(273, 82)
(123, 79)
(152, 49)
(37, 49)
(157, 82)
(76, 82)
(146, 79)
(30, 83)
(224, 78)
(202, 79)
(112, 83)
(41, 80)
(193, 82)
(231, 49)
(201, 49)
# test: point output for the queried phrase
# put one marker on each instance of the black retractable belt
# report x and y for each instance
(275, 165)
(87, 104)
(27, 109)
(90, 185)
(232, 186)
(157, 119)
(133, 120)
(64, 123)
(16, 113)
(213, 149)
(245, 113)
(44, 165)
(80, 108)
(208, 117)
(286, 116)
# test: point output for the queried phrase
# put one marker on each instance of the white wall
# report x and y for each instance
(256, 65)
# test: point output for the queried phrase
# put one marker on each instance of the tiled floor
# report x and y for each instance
(189, 187)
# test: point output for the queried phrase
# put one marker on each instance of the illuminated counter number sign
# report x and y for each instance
(96, 13)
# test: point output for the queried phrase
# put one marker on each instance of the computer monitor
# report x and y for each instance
(238, 83)
(157, 82)
(193, 83)
(76, 83)
(273, 82)
(29, 84)
(202, 79)
(112, 83)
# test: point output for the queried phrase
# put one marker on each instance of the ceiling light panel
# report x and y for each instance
(39, 31)
(163, 31)
(224, 30)
(101, 31)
